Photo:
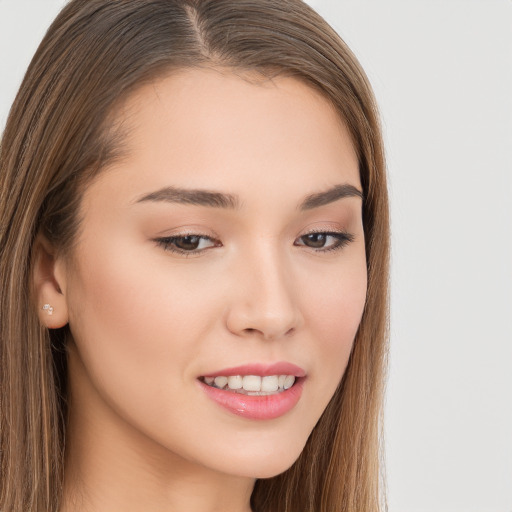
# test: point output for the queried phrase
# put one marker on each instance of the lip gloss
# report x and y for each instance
(258, 407)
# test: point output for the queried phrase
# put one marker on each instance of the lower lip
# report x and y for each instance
(256, 407)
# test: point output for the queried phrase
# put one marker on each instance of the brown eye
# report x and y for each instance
(326, 241)
(187, 243)
(315, 240)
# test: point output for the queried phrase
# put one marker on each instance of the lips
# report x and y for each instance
(256, 391)
(281, 368)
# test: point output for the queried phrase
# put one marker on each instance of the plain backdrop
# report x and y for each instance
(442, 74)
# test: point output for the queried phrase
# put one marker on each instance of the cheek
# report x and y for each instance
(135, 332)
(141, 321)
(339, 312)
(334, 315)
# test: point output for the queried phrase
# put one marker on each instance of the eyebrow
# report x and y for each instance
(200, 197)
(330, 196)
(196, 197)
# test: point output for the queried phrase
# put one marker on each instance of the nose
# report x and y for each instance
(265, 302)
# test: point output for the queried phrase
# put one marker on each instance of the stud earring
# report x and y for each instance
(48, 308)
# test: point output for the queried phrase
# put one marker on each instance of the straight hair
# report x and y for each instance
(60, 134)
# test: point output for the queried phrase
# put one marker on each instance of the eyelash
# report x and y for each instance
(168, 243)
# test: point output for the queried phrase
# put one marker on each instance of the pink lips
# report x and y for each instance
(258, 407)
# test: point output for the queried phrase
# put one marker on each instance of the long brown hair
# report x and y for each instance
(59, 134)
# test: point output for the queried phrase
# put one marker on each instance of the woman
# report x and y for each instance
(194, 254)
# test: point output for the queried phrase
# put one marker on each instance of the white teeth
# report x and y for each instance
(220, 382)
(235, 382)
(289, 381)
(252, 384)
(270, 383)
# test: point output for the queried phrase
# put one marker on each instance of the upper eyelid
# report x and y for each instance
(331, 232)
(326, 231)
(184, 235)
(215, 238)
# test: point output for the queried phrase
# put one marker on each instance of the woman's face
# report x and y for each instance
(228, 243)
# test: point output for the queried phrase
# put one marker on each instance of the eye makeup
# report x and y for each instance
(189, 244)
(318, 240)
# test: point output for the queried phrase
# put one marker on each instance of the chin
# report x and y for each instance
(264, 461)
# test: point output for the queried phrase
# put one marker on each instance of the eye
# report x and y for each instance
(324, 241)
(187, 244)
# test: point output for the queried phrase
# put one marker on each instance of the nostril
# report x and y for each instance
(267, 336)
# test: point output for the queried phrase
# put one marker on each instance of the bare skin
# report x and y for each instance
(258, 286)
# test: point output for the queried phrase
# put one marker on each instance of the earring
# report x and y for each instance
(48, 308)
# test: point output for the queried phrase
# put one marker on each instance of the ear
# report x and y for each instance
(49, 283)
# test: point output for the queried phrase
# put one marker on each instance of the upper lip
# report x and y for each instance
(261, 369)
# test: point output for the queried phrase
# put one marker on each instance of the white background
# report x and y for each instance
(442, 73)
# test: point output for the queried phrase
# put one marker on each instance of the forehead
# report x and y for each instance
(212, 127)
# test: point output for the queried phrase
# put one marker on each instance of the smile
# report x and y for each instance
(256, 391)
(252, 385)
